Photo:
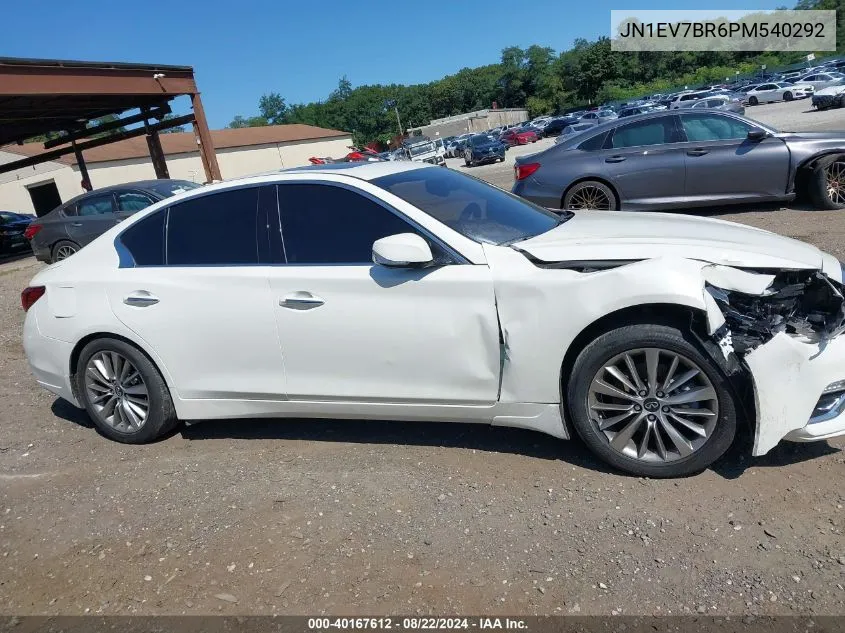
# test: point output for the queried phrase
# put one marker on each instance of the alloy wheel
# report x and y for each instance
(116, 391)
(589, 198)
(835, 182)
(65, 251)
(653, 405)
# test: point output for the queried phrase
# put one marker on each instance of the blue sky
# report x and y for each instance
(241, 50)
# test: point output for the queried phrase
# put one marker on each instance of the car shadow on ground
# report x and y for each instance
(479, 437)
(756, 207)
(14, 257)
(738, 459)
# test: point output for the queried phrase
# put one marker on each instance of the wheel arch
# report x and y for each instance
(684, 317)
(80, 345)
(600, 179)
(805, 168)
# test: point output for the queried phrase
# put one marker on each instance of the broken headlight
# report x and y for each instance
(798, 302)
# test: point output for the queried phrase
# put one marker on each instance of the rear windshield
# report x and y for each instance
(169, 188)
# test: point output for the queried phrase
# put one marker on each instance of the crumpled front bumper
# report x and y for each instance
(789, 371)
(789, 377)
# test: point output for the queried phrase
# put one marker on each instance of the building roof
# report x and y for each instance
(185, 142)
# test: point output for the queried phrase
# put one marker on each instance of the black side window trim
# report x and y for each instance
(455, 256)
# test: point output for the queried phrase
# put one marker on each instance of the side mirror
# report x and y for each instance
(756, 134)
(402, 251)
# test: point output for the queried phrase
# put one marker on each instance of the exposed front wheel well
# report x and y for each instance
(682, 317)
(606, 183)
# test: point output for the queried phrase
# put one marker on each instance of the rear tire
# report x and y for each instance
(62, 250)
(131, 405)
(826, 186)
(650, 450)
(589, 194)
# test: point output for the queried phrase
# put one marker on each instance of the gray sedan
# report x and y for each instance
(684, 158)
(69, 227)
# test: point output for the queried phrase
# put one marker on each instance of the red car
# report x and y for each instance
(515, 136)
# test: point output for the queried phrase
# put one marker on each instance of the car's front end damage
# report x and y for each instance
(769, 309)
(783, 328)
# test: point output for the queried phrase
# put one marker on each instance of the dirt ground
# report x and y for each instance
(341, 517)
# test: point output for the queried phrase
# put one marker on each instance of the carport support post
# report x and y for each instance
(157, 155)
(83, 168)
(209, 158)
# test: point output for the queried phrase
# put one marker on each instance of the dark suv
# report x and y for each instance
(66, 229)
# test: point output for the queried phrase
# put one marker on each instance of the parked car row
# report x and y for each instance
(686, 157)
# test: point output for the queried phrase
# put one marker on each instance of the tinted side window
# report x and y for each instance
(711, 127)
(594, 143)
(217, 229)
(131, 201)
(95, 205)
(145, 240)
(650, 132)
(323, 224)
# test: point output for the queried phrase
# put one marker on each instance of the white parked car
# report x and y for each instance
(765, 93)
(401, 291)
(822, 80)
(686, 98)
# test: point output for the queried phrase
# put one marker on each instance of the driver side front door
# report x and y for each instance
(354, 331)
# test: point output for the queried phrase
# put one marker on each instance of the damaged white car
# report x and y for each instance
(400, 291)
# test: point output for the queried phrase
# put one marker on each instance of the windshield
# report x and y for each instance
(169, 188)
(471, 207)
(480, 139)
(422, 148)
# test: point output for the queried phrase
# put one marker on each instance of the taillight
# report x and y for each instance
(31, 230)
(522, 171)
(30, 295)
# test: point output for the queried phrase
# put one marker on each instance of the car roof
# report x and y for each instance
(145, 185)
(365, 170)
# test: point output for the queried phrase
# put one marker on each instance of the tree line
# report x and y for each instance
(538, 78)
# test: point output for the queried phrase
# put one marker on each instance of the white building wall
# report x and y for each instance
(13, 185)
(234, 163)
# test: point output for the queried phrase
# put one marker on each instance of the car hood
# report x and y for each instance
(615, 235)
(486, 146)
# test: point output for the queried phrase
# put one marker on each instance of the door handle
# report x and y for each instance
(301, 301)
(614, 159)
(76, 223)
(140, 299)
(698, 151)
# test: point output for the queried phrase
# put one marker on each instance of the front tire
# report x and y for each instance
(647, 400)
(123, 392)
(826, 186)
(752, 101)
(788, 96)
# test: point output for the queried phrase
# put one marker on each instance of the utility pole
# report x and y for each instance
(391, 103)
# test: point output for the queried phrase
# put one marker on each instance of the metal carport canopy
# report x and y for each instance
(38, 96)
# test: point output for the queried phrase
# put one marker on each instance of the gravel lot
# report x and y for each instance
(315, 516)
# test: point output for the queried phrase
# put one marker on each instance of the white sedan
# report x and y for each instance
(401, 291)
(764, 93)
